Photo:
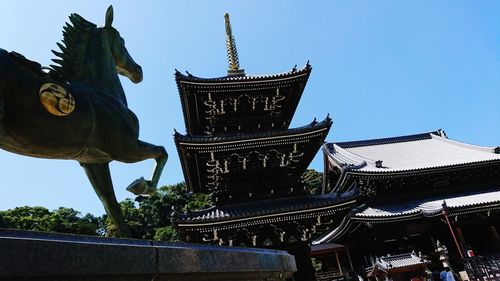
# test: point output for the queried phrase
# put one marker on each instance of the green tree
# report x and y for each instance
(146, 217)
(167, 233)
(198, 201)
(313, 181)
(149, 217)
(27, 218)
(68, 220)
(64, 220)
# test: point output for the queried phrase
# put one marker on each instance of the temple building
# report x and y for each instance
(414, 191)
(239, 148)
(386, 203)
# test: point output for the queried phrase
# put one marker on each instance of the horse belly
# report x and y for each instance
(30, 129)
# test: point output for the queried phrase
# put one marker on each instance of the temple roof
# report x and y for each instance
(460, 203)
(425, 151)
(390, 210)
(258, 212)
(398, 262)
(294, 72)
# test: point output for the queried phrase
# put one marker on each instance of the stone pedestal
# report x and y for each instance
(26, 255)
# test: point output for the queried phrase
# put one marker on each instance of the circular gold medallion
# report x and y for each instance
(56, 100)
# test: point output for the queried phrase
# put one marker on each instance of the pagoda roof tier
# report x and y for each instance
(253, 166)
(240, 103)
(261, 212)
(410, 155)
(402, 209)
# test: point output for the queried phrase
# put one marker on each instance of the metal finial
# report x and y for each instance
(496, 150)
(232, 53)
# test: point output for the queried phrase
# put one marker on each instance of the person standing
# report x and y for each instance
(447, 275)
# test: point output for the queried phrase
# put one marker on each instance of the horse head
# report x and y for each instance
(95, 55)
(124, 63)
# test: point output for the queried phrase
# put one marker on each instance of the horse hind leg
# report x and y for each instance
(100, 179)
(144, 151)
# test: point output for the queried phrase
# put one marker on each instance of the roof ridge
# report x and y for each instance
(292, 72)
(381, 141)
(392, 257)
(486, 149)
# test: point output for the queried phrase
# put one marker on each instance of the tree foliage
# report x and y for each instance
(146, 217)
(313, 181)
(149, 217)
(63, 220)
(167, 233)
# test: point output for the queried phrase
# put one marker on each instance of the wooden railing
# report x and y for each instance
(329, 276)
(483, 268)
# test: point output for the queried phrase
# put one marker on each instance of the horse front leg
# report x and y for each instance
(160, 162)
(142, 152)
(100, 179)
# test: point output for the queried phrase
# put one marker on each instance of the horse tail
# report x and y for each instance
(4, 56)
(4, 60)
(2, 110)
(3, 52)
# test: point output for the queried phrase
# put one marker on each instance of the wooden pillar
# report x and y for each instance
(338, 262)
(349, 257)
(457, 244)
(461, 237)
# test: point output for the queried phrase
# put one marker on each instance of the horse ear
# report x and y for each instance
(109, 16)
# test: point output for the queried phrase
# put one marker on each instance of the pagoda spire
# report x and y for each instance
(232, 53)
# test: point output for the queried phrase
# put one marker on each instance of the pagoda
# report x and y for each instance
(238, 147)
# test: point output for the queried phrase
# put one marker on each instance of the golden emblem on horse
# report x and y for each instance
(56, 99)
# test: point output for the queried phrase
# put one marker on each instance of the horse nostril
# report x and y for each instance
(138, 76)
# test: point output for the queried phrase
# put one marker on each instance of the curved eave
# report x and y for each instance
(263, 216)
(242, 139)
(420, 171)
(421, 215)
(328, 151)
(345, 227)
(351, 222)
(236, 79)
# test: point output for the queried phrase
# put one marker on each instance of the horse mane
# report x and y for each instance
(72, 56)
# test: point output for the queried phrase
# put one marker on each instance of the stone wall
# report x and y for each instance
(26, 255)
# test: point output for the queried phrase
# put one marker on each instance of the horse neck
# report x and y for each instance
(100, 70)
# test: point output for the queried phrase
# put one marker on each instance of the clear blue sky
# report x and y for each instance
(380, 68)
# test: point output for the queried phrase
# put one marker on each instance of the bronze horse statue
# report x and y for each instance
(78, 109)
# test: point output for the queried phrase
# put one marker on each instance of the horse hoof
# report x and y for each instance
(141, 186)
